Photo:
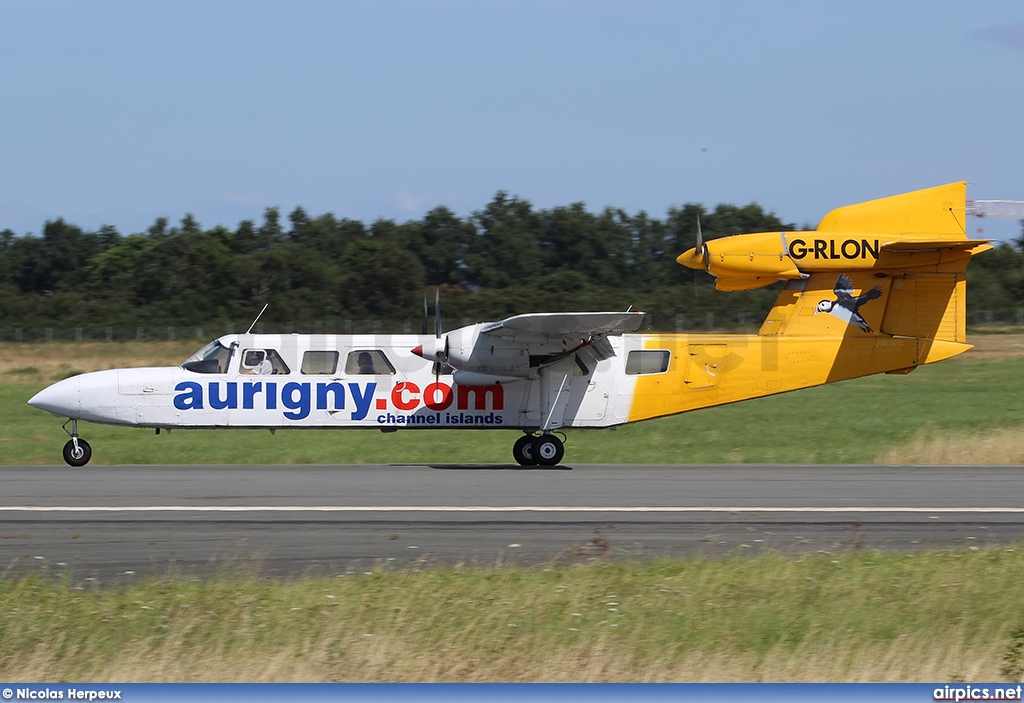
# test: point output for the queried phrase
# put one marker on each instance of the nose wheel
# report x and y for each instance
(543, 450)
(77, 451)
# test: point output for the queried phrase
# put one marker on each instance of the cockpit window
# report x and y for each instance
(261, 361)
(213, 358)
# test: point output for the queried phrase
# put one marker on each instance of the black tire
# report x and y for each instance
(79, 458)
(522, 450)
(548, 450)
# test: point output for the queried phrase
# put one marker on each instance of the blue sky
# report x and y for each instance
(117, 112)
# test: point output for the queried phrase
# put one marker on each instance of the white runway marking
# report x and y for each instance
(485, 509)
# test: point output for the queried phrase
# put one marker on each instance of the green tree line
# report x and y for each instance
(505, 259)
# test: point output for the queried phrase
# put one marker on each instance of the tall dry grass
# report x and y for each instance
(853, 617)
(998, 446)
(386, 659)
(38, 363)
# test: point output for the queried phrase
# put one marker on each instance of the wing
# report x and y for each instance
(553, 325)
(547, 332)
(844, 288)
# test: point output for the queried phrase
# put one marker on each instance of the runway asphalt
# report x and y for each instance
(115, 523)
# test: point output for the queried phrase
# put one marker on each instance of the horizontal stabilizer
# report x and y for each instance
(910, 246)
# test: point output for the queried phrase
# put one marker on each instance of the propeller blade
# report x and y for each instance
(426, 324)
(696, 258)
(437, 313)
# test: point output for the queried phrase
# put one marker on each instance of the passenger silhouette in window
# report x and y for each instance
(365, 362)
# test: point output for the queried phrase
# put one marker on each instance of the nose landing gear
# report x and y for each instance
(77, 451)
(542, 450)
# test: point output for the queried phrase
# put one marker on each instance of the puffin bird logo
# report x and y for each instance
(845, 306)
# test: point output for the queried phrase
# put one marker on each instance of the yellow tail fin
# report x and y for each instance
(893, 267)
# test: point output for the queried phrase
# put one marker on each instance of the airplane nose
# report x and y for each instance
(62, 399)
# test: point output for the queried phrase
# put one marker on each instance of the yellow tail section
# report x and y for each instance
(933, 211)
(878, 287)
(909, 283)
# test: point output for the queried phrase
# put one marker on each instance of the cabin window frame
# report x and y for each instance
(381, 364)
(308, 360)
(642, 365)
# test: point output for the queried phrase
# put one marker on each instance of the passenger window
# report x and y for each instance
(320, 362)
(367, 362)
(647, 361)
(260, 362)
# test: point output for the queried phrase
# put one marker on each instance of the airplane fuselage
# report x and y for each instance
(402, 392)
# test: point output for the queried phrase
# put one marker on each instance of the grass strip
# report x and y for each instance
(858, 616)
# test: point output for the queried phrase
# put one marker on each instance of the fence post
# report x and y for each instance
(49, 334)
(19, 336)
(171, 333)
(110, 334)
(679, 323)
(710, 321)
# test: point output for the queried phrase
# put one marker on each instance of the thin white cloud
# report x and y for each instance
(410, 202)
(1011, 35)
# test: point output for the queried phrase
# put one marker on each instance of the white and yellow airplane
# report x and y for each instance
(878, 287)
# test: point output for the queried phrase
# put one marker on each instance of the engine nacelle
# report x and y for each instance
(468, 350)
(757, 256)
(465, 349)
(773, 256)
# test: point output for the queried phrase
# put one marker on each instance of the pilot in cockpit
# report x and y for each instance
(255, 361)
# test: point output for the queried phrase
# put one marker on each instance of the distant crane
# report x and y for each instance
(995, 208)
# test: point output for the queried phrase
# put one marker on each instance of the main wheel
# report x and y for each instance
(548, 450)
(79, 456)
(522, 450)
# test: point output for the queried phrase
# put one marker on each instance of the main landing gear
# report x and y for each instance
(77, 451)
(538, 450)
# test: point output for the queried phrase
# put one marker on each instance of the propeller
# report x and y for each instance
(696, 258)
(437, 313)
(438, 351)
(437, 334)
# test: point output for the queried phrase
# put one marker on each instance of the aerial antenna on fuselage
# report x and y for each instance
(265, 306)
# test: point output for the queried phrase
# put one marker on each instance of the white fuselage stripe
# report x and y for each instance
(486, 509)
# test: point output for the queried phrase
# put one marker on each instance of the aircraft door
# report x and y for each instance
(705, 367)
